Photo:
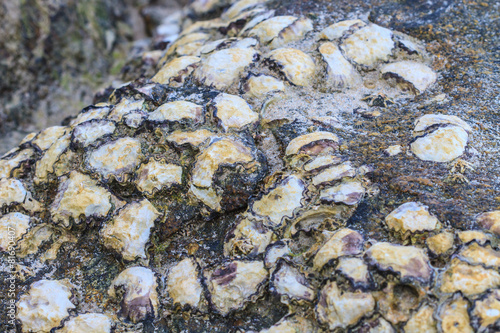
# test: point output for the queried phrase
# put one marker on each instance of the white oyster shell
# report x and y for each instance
(411, 217)
(487, 310)
(409, 261)
(183, 283)
(13, 226)
(194, 138)
(269, 29)
(177, 111)
(12, 191)
(156, 175)
(281, 201)
(88, 132)
(369, 45)
(129, 231)
(80, 195)
(339, 309)
(321, 162)
(86, 323)
(412, 75)
(287, 280)
(44, 306)
(297, 66)
(340, 72)
(46, 164)
(276, 251)
(7, 165)
(334, 173)
(337, 30)
(238, 7)
(260, 85)
(140, 299)
(342, 242)
(349, 192)
(124, 107)
(443, 145)
(221, 69)
(233, 284)
(248, 237)
(312, 143)
(233, 112)
(115, 158)
(174, 72)
(355, 270)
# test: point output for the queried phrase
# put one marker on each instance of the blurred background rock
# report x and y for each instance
(56, 54)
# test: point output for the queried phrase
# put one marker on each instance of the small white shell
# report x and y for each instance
(340, 72)
(177, 111)
(369, 45)
(14, 226)
(443, 145)
(281, 201)
(411, 75)
(86, 323)
(297, 66)
(79, 195)
(88, 132)
(115, 158)
(233, 112)
(183, 284)
(129, 231)
(44, 306)
(140, 300)
(175, 72)
(156, 175)
(221, 69)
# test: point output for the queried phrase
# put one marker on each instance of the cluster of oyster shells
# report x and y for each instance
(221, 129)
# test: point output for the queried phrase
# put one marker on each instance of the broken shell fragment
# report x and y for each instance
(297, 66)
(281, 201)
(88, 322)
(409, 261)
(233, 112)
(349, 192)
(175, 72)
(341, 243)
(115, 158)
(233, 284)
(44, 306)
(129, 231)
(288, 280)
(79, 195)
(259, 85)
(411, 217)
(369, 45)
(177, 111)
(340, 72)
(337, 30)
(312, 143)
(140, 299)
(221, 69)
(468, 279)
(14, 226)
(156, 175)
(409, 75)
(183, 283)
(490, 221)
(337, 309)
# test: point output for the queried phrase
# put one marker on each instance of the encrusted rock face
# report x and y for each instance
(264, 179)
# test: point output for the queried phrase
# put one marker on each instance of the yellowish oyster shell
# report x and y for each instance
(183, 284)
(334, 173)
(260, 85)
(487, 310)
(355, 270)
(468, 279)
(442, 145)
(46, 138)
(490, 221)
(298, 67)
(440, 243)
(337, 30)
(233, 112)
(175, 72)
(349, 192)
(46, 165)
(340, 72)
(422, 321)
(341, 243)
(88, 132)
(248, 237)
(194, 138)
(288, 280)
(411, 75)
(156, 175)
(7, 165)
(411, 217)
(177, 111)
(312, 143)
(454, 316)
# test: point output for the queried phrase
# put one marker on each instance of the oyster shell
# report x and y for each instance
(129, 230)
(86, 133)
(312, 143)
(349, 192)
(442, 145)
(259, 85)
(297, 66)
(79, 195)
(221, 69)
(475, 254)
(486, 311)
(337, 309)
(175, 72)
(355, 270)
(334, 173)
(468, 279)
(396, 301)
(480, 237)
(183, 283)
(440, 243)
(11, 164)
(340, 72)
(46, 138)
(490, 221)
(410, 75)
(281, 30)
(12, 191)
(177, 111)
(288, 280)
(156, 175)
(454, 316)
(233, 284)
(249, 237)
(368, 46)
(139, 299)
(409, 261)
(233, 112)
(14, 226)
(422, 321)
(88, 322)
(341, 243)
(276, 251)
(47, 164)
(115, 158)
(337, 30)
(411, 217)
(291, 324)
(45, 305)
